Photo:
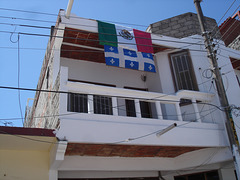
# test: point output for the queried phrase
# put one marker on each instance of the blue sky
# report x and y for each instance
(140, 12)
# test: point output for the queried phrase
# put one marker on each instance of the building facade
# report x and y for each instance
(127, 124)
(25, 152)
(230, 31)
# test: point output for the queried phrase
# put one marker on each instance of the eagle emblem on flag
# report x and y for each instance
(126, 34)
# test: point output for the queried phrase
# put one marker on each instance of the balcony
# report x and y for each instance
(90, 126)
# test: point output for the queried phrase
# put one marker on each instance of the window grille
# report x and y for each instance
(102, 105)
(144, 107)
(77, 103)
(183, 71)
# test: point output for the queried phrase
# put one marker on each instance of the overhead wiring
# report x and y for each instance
(229, 28)
(117, 142)
(109, 106)
(218, 42)
(118, 107)
(18, 71)
(74, 17)
(65, 92)
(78, 30)
(222, 18)
(75, 38)
(58, 15)
(19, 68)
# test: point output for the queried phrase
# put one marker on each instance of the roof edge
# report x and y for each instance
(27, 131)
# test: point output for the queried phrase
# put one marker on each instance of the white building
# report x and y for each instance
(110, 116)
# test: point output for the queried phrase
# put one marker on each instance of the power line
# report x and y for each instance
(65, 92)
(73, 113)
(217, 25)
(222, 18)
(33, 12)
(18, 79)
(228, 27)
(72, 30)
(74, 17)
(88, 51)
(118, 142)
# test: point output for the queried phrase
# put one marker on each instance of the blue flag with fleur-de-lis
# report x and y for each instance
(126, 58)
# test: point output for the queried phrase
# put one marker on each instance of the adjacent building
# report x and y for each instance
(230, 31)
(120, 123)
(25, 153)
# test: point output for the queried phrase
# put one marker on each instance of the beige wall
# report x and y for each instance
(24, 165)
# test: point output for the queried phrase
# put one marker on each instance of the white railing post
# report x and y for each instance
(114, 106)
(178, 110)
(198, 117)
(159, 110)
(90, 104)
(137, 107)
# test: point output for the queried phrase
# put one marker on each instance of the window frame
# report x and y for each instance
(190, 70)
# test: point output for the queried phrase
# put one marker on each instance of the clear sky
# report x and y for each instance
(139, 12)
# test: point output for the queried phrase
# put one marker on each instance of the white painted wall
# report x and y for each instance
(100, 73)
(92, 128)
(227, 174)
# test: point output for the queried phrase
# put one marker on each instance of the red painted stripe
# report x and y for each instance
(26, 131)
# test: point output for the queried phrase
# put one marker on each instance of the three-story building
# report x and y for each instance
(121, 123)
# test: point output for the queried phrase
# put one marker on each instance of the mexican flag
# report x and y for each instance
(115, 35)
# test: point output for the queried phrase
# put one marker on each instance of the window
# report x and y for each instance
(182, 71)
(102, 105)
(130, 108)
(47, 78)
(211, 175)
(144, 107)
(77, 103)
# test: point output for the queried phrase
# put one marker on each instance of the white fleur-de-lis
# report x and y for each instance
(111, 48)
(150, 67)
(112, 61)
(131, 64)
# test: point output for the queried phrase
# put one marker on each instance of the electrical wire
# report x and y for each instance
(144, 136)
(152, 133)
(225, 22)
(74, 17)
(228, 27)
(73, 113)
(216, 25)
(118, 142)
(18, 71)
(31, 139)
(76, 38)
(58, 15)
(205, 162)
(222, 18)
(65, 92)
(19, 94)
(78, 30)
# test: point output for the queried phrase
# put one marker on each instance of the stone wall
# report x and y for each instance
(47, 110)
(182, 26)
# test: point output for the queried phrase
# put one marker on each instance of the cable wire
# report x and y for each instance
(19, 94)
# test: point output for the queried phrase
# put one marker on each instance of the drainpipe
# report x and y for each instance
(69, 8)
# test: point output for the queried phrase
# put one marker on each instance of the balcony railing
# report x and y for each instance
(96, 99)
